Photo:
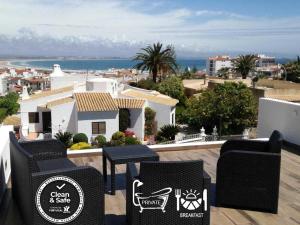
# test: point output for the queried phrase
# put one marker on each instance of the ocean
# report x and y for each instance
(99, 64)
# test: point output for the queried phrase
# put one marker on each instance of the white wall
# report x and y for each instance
(222, 64)
(5, 150)
(279, 115)
(3, 85)
(27, 106)
(67, 80)
(163, 113)
(85, 120)
(103, 85)
(137, 120)
(64, 118)
(217, 65)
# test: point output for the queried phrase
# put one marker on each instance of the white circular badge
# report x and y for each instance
(59, 199)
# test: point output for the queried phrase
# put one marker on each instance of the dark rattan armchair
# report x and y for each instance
(50, 189)
(165, 193)
(248, 174)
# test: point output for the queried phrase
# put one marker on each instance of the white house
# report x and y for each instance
(265, 61)
(214, 64)
(163, 105)
(59, 79)
(3, 84)
(92, 107)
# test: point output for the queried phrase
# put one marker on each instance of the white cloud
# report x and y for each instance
(131, 22)
(219, 13)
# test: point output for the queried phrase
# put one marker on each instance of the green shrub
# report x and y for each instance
(148, 84)
(149, 121)
(101, 141)
(118, 138)
(80, 137)
(230, 106)
(80, 146)
(174, 88)
(3, 114)
(65, 138)
(132, 141)
(167, 133)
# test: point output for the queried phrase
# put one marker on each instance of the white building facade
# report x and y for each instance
(214, 64)
(93, 108)
(3, 84)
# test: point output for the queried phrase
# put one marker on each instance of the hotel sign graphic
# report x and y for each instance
(59, 199)
(190, 200)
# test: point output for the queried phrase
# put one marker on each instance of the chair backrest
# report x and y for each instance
(181, 178)
(21, 162)
(275, 142)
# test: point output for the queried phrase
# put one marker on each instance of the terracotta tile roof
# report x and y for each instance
(49, 93)
(34, 80)
(59, 102)
(94, 102)
(12, 120)
(220, 58)
(152, 96)
(129, 103)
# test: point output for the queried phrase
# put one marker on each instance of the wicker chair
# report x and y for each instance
(33, 163)
(2, 182)
(188, 177)
(248, 174)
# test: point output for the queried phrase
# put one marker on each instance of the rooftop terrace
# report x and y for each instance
(289, 197)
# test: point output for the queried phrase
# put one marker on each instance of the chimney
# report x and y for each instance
(25, 94)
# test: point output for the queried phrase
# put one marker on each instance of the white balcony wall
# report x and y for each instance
(5, 150)
(279, 115)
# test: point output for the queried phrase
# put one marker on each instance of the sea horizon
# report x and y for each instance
(95, 64)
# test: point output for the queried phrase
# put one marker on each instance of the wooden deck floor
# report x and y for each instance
(289, 201)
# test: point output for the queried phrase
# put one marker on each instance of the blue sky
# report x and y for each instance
(193, 27)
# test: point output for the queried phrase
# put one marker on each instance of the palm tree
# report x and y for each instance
(157, 60)
(224, 72)
(244, 64)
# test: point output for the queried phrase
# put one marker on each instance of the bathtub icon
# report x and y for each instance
(157, 200)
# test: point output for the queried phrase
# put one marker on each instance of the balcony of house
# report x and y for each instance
(115, 205)
(234, 182)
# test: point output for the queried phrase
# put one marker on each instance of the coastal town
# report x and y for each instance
(155, 112)
(56, 101)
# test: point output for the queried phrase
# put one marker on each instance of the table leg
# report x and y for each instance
(113, 178)
(104, 164)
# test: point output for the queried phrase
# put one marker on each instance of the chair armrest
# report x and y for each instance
(45, 149)
(91, 182)
(244, 145)
(132, 213)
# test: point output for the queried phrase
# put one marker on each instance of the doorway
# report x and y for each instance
(47, 122)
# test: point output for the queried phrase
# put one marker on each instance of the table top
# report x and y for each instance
(129, 152)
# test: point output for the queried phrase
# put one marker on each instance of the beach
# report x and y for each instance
(3, 63)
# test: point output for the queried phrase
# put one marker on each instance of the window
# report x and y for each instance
(34, 117)
(98, 127)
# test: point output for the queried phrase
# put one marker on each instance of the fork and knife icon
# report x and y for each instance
(178, 196)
